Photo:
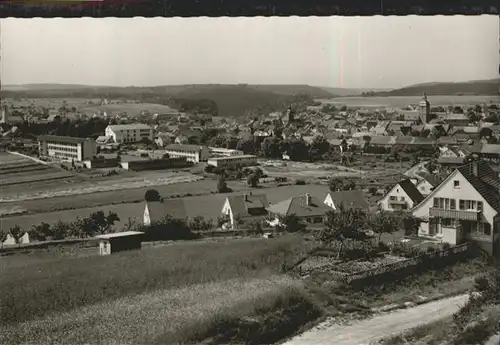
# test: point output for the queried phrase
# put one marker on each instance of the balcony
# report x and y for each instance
(454, 214)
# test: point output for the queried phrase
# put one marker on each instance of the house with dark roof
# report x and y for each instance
(308, 208)
(403, 196)
(347, 199)
(245, 207)
(464, 207)
(155, 211)
(427, 183)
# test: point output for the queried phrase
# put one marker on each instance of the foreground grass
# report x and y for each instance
(44, 287)
(171, 316)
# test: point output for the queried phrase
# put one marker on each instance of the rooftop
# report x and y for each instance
(62, 139)
(232, 157)
(119, 234)
(183, 147)
(130, 126)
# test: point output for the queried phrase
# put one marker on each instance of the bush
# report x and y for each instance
(300, 182)
(446, 245)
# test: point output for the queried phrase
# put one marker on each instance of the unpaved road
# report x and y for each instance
(368, 332)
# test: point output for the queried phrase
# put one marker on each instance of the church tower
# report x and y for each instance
(425, 109)
(289, 115)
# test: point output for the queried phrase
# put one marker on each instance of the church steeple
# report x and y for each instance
(425, 109)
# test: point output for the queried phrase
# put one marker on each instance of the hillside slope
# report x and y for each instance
(477, 87)
(222, 100)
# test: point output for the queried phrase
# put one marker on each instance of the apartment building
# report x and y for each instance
(129, 133)
(66, 148)
(222, 162)
(464, 207)
(193, 153)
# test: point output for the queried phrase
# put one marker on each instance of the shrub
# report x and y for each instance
(446, 245)
(300, 182)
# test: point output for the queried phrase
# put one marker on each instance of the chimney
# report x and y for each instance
(308, 199)
(475, 169)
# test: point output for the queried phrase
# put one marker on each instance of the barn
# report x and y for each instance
(119, 241)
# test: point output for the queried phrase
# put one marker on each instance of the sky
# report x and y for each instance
(348, 52)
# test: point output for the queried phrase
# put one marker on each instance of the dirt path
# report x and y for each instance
(368, 332)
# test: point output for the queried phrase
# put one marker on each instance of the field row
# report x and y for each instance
(27, 178)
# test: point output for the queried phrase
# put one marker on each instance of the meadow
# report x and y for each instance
(132, 109)
(157, 295)
(401, 101)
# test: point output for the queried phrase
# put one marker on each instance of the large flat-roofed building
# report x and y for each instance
(130, 133)
(222, 162)
(193, 153)
(223, 152)
(66, 148)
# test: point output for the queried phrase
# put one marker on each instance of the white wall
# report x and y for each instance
(398, 192)
(447, 190)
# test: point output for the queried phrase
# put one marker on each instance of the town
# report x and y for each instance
(250, 214)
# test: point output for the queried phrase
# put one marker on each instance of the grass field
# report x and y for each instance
(156, 295)
(208, 206)
(132, 109)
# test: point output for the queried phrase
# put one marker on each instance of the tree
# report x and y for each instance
(384, 222)
(247, 146)
(348, 184)
(318, 148)
(222, 185)
(335, 184)
(367, 139)
(152, 195)
(60, 230)
(485, 132)
(199, 223)
(253, 180)
(131, 224)
(3, 237)
(342, 225)
(291, 223)
(15, 232)
(40, 232)
(270, 147)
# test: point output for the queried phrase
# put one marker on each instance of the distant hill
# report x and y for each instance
(343, 92)
(223, 100)
(476, 87)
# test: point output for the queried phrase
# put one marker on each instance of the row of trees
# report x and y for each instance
(83, 227)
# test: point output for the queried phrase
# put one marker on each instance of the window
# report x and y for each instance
(456, 184)
(394, 198)
(436, 202)
(446, 222)
(461, 204)
(487, 229)
(480, 206)
(402, 198)
(453, 205)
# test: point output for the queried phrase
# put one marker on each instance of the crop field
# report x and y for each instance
(155, 295)
(132, 109)
(16, 171)
(396, 102)
(307, 170)
(208, 206)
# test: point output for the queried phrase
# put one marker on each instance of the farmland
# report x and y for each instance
(132, 109)
(163, 295)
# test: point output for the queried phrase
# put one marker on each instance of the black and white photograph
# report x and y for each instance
(250, 180)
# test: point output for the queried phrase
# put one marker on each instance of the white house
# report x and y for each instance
(465, 206)
(193, 153)
(243, 160)
(403, 196)
(66, 148)
(129, 133)
(223, 152)
(244, 207)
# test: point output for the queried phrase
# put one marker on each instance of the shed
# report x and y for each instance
(119, 241)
